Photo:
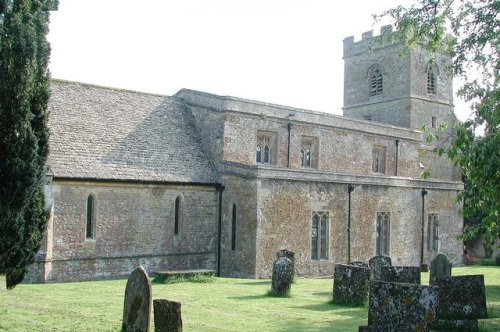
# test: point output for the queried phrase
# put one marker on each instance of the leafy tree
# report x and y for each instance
(468, 30)
(24, 95)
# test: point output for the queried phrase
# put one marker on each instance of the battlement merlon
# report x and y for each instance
(352, 47)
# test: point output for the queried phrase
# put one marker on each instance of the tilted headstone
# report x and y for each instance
(288, 254)
(282, 277)
(401, 307)
(350, 284)
(440, 268)
(167, 316)
(137, 303)
(461, 297)
(376, 264)
(403, 274)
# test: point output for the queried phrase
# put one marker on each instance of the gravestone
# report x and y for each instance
(401, 307)
(137, 303)
(167, 316)
(288, 254)
(440, 268)
(282, 277)
(462, 301)
(350, 284)
(403, 274)
(376, 264)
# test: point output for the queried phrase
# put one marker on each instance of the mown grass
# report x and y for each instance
(220, 305)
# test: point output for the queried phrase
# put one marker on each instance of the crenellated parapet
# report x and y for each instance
(368, 40)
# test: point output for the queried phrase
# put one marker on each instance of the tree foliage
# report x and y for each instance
(24, 95)
(468, 30)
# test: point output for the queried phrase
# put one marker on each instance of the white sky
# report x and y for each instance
(285, 52)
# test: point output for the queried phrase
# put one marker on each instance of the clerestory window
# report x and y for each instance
(265, 152)
(308, 152)
(378, 162)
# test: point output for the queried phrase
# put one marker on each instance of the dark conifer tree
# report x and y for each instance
(24, 95)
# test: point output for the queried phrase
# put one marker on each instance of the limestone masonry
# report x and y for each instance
(201, 181)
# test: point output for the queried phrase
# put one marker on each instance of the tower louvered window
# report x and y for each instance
(431, 81)
(319, 235)
(376, 83)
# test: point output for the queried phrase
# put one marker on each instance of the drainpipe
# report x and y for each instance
(397, 156)
(289, 139)
(424, 192)
(350, 189)
(220, 189)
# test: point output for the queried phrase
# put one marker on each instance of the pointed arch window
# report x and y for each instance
(233, 228)
(376, 82)
(265, 150)
(90, 224)
(319, 235)
(383, 241)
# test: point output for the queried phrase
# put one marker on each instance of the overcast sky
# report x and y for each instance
(285, 52)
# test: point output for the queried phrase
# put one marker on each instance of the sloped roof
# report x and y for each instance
(111, 134)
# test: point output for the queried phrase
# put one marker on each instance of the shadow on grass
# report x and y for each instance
(347, 323)
(250, 297)
(322, 293)
(253, 283)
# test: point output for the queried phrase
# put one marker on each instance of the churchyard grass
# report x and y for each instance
(221, 305)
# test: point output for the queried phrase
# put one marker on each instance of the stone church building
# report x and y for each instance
(201, 181)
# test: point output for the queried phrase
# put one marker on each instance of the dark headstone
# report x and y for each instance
(350, 284)
(401, 307)
(288, 254)
(440, 268)
(282, 277)
(403, 274)
(376, 264)
(461, 297)
(137, 303)
(167, 316)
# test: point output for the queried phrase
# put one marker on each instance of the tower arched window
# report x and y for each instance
(90, 225)
(376, 82)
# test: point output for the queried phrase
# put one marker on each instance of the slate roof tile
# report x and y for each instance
(104, 133)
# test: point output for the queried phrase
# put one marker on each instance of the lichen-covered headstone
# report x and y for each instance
(404, 274)
(288, 254)
(401, 307)
(282, 277)
(376, 264)
(461, 297)
(137, 303)
(440, 268)
(350, 284)
(167, 316)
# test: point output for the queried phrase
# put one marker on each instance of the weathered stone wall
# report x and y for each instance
(134, 225)
(285, 211)
(242, 193)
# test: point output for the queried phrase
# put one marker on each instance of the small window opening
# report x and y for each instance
(376, 83)
(177, 215)
(233, 228)
(90, 217)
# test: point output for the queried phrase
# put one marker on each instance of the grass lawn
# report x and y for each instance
(222, 305)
